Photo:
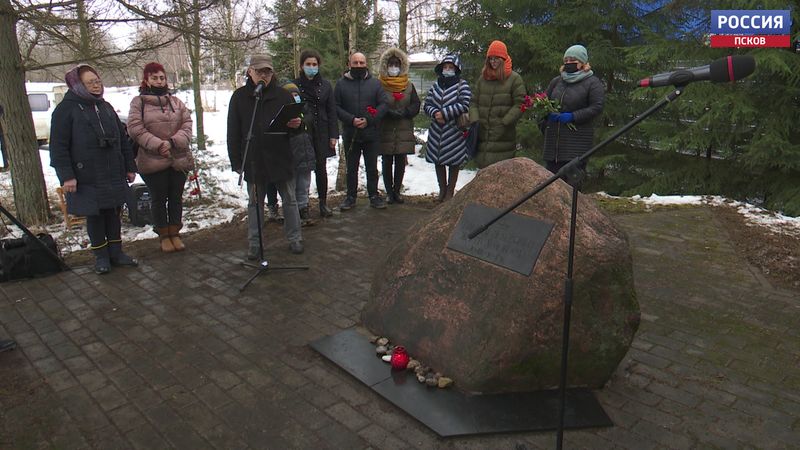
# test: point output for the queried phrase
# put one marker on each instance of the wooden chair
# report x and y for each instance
(69, 220)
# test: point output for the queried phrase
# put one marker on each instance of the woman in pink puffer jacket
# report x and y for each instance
(162, 127)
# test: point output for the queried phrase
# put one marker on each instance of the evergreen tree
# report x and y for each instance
(324, 28)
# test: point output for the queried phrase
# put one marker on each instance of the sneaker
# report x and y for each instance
(348, 203)
(296, 247)
(377, 202)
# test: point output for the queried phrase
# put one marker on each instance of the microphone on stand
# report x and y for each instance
(259, 87)
(729, 68)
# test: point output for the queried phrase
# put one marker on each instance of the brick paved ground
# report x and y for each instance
(171, 355)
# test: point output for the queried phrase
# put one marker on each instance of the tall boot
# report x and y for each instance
(324, 211)
(451, 183)
(118, 257)
(399, 173)
(387, 178)
(175, 237)
(441, 177)
(102, 262)
(166, 242)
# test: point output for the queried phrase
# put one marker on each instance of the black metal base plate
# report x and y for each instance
(450, 412)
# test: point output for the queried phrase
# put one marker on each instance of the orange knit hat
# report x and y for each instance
(498, 48)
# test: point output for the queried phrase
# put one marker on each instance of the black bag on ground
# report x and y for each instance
(23, 258)
(139, 204)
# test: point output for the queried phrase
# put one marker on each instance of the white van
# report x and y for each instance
(43, 98)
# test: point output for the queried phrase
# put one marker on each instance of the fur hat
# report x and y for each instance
(393, 53)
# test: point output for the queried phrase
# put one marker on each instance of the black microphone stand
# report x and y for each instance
(263, 265)
(572, 172)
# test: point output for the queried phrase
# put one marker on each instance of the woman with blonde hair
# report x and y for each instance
(570, 133)
(495, 105)
(162, 127)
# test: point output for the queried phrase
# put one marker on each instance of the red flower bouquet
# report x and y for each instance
(542, 106)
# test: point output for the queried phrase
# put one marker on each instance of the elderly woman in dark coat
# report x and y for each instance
(94, 164)
(581, 96)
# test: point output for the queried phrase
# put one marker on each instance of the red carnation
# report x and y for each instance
(398, 96)
(372, 111)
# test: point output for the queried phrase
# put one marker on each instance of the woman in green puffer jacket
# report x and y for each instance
(495, 104)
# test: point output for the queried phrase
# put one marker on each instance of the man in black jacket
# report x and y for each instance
(361, 102)
(269, 157)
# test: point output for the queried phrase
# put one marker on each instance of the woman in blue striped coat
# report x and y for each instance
(447, 99)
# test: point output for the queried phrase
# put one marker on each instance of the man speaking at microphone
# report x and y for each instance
(269, 157)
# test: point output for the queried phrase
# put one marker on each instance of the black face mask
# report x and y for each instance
(358, 73)
(571, 67)
(159, 90)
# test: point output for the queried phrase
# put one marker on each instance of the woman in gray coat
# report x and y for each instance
(570, 133)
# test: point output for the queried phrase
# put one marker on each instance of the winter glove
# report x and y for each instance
(553, 117)
(566, 117)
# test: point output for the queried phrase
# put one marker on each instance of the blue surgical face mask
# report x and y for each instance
(297, 98)
(448, 73)
(310, 71)
(393, 71)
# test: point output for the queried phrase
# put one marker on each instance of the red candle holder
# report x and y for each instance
(400, 358)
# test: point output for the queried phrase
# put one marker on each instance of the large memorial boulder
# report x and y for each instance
(493, 329)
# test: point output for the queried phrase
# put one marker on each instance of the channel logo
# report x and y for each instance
(750, 28)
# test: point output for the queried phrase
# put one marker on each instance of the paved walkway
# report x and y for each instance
(171, 355)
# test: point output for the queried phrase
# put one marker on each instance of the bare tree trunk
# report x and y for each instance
(352, 42)
(193, 46)
(295, 41)
(341, 171)
(85, 43)
(27, 180)
(352, 25)
(402, 40)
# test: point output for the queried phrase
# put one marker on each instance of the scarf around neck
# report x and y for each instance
(395, 84)
(446, 82)
(575, 77)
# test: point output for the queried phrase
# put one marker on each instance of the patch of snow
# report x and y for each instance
(754, 215)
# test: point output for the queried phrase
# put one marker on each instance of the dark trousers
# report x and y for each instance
(166, 192)
(272, 194)
(393, 183)
(104, 227)
(353, 152)
(321, 174)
